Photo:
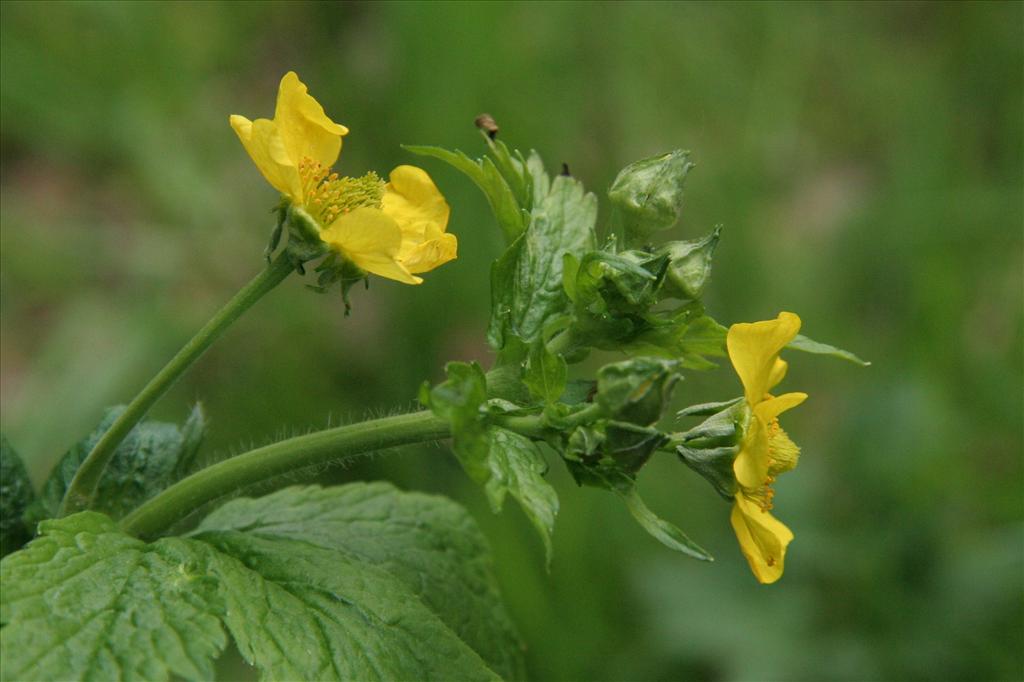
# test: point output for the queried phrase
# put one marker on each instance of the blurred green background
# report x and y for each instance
(864, 160)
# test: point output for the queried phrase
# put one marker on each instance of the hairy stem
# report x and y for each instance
(321, 447)
(83, 487)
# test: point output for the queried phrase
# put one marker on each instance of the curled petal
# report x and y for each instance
(266, 149)
(305, 129)
(413, 200)
(431, 253)
(771, 408)
(754, 349)
(763, 539)
(370, 239)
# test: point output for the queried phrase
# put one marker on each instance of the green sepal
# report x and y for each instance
(153, 456)
(689, 266)
(711, 447)
(16, 494)
(637, 390)
(650, 193)
(807, 345)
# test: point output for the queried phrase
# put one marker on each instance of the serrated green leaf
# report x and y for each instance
(546, 373)
(355, 583)
(486, 176)
(807, 345)
(518, 468)
(16, 494)
(301, 612)
(84, 601)
(526, 281)
(151, 457)
(650, 193)
(428, 543)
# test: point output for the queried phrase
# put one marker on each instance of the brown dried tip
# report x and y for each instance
(486, 123)
(565, 169)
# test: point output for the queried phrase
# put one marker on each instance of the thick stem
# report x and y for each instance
(83, 487)
(322, 447)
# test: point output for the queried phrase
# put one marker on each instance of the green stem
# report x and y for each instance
(322, 447)
(533, 426)
(83, 487)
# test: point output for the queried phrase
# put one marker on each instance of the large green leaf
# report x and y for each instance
(16, 494)
(154, 455)
(526, 281)
(354, 583)
(84, 601)
(427, 543)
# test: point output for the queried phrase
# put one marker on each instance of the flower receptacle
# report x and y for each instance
(711, 447)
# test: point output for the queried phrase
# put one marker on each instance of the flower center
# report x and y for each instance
(327, 196)
(783, 455)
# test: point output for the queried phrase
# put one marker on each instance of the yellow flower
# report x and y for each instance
(394, 229)
(766, 450)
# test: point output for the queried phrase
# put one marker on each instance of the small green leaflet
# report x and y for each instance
(518, 468)
(16, 494)
(154, 455)
(356, 582)
(807, 345)
(546, 373)
(501, 461)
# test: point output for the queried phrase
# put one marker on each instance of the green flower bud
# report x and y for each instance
(636, 390)
(609, 446)
(650, 193)
(689, 266)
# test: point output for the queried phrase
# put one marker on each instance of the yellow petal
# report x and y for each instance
(266, 149)
(413, 200)
(763, 539)
(777, 373)
(751, 463)
(771, 408)
(431, 253)
(305, 129)
(754, 348)
(370, 239)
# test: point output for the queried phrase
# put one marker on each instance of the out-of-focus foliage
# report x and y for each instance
(865, 163)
